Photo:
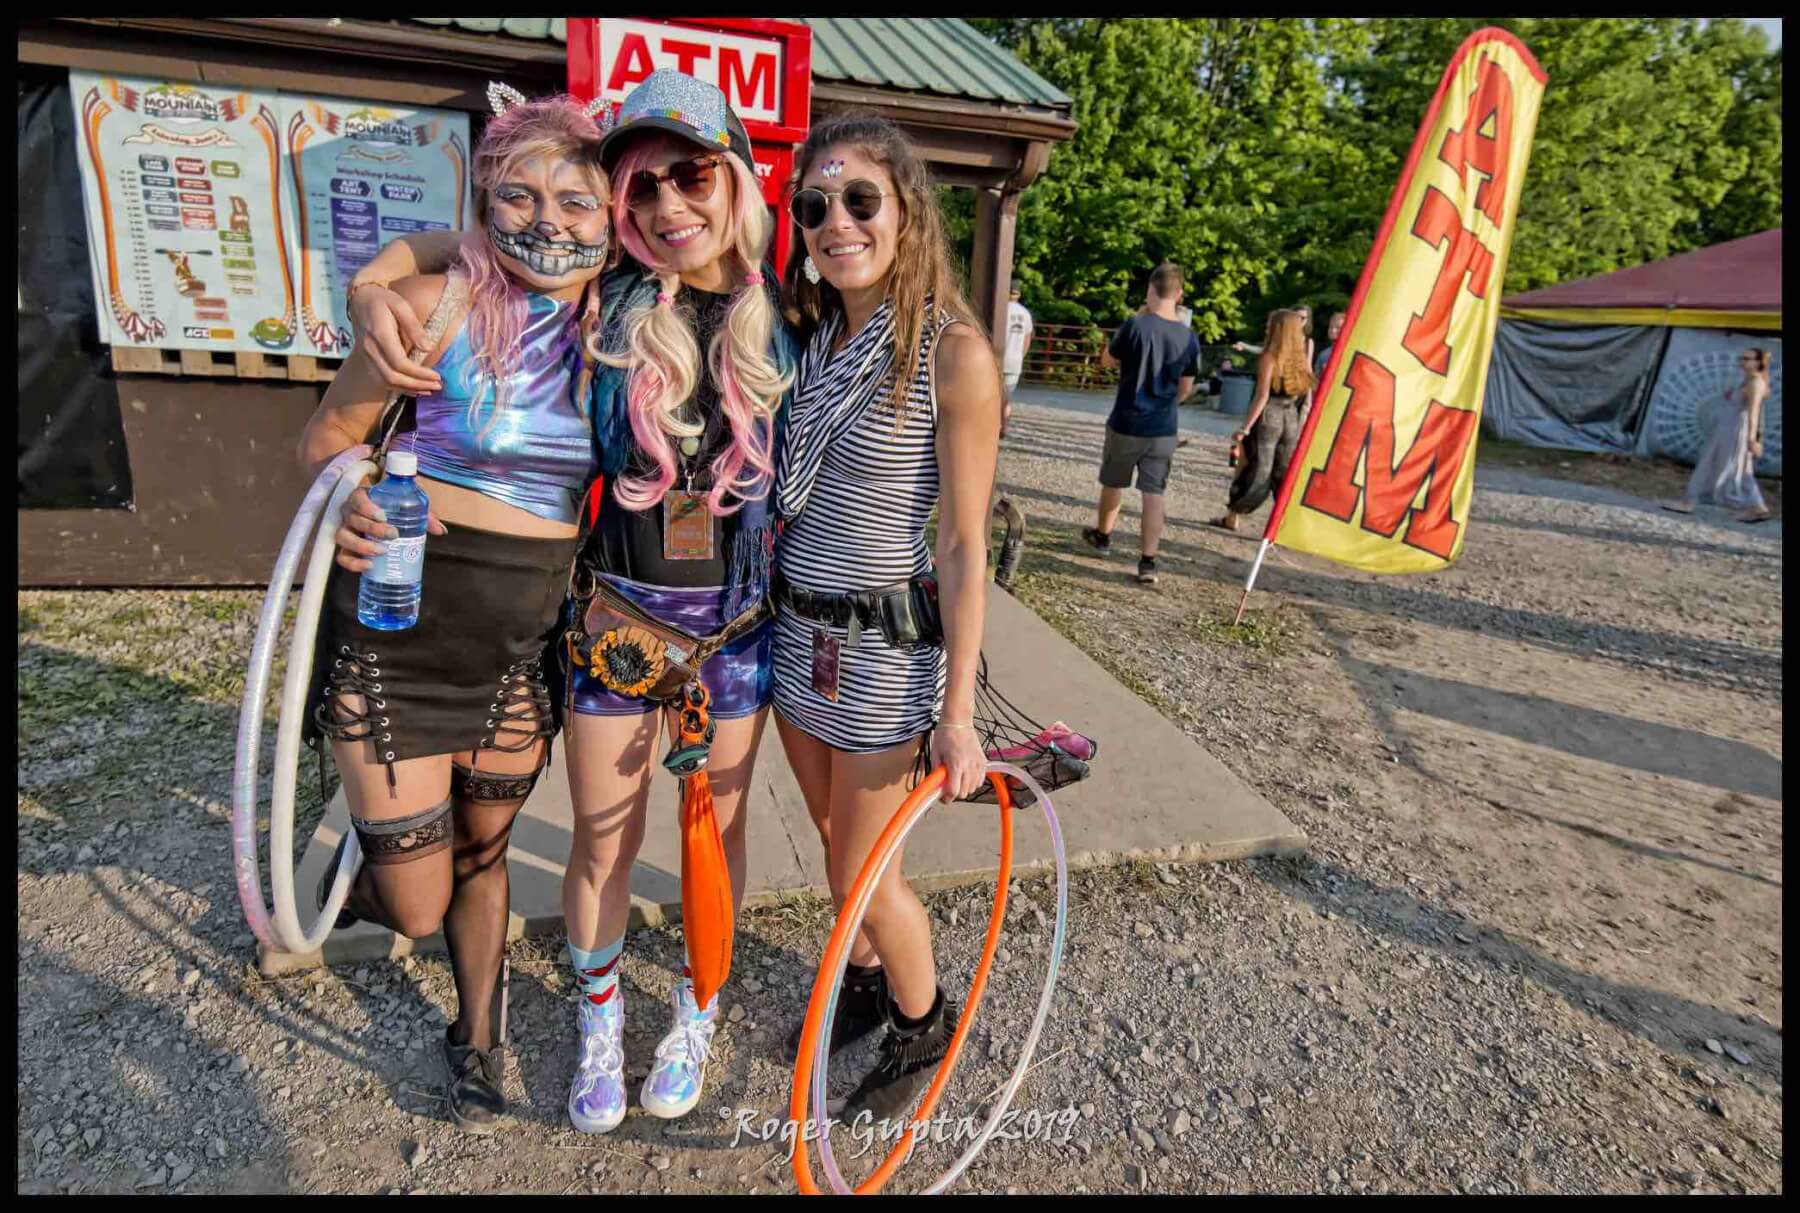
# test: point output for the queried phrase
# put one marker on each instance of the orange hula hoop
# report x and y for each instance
(832, 965)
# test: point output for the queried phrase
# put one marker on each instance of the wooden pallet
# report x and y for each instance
(225, 364)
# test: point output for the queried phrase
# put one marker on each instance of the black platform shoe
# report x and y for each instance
(476, 1104)
(909, 1058)
(861, 1008)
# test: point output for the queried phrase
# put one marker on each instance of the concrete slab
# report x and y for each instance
(1154, 794)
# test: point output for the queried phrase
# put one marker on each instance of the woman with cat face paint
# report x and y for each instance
(440, 730)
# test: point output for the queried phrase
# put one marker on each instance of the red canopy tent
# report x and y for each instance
(1732, 285)
(1632, 361)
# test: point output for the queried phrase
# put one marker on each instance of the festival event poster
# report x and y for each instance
(185, 219)
(363, 174)
(1385, 469)
(223, 219)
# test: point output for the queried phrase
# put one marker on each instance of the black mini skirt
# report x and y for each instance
(470, 674)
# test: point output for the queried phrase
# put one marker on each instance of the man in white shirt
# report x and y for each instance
(1018, 337)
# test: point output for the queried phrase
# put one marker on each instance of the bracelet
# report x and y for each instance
(350, 291)
(945, 724)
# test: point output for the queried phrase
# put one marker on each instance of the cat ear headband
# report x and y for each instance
(502, 97)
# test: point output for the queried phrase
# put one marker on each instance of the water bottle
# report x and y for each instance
(388, 597)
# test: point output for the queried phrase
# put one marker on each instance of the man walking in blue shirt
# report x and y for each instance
(1158, 359)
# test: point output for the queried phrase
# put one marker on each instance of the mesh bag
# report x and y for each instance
(1054, 755)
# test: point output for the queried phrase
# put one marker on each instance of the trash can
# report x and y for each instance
(1236, 390)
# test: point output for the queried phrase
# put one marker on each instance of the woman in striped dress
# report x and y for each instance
(896, 412)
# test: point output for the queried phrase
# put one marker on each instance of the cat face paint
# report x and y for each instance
(548, 258)
(548, 222)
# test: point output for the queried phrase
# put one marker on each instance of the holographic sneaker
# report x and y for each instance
(597, 1096)
(675, 1082)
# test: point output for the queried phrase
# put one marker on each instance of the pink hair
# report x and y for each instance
(664, 358)
(498, 311)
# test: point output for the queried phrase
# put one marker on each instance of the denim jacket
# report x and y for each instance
(752, 555)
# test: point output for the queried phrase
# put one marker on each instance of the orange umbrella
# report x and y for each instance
(707, 918)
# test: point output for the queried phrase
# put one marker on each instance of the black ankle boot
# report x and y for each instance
(861, 1008)
(476, 1103)
(909, 1059)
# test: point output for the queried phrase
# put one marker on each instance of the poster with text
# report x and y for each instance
(362, 174)
(186, 220)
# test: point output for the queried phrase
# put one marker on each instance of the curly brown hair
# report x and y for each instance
(922, 265)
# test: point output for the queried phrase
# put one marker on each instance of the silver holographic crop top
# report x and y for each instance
(538, 454)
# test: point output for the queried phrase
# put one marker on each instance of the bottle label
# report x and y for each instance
(402, 564)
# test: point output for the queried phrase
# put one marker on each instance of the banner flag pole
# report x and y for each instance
(1251, 580)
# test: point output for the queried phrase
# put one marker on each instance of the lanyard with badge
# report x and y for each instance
(687, 522)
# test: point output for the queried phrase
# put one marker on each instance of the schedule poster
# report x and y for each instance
(185, 219)
(223, 219)
(361, 175)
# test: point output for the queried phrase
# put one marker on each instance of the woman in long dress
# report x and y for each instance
(1726, 471)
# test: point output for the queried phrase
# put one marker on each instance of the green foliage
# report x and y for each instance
(1259, 153)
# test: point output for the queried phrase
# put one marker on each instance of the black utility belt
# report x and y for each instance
(905, 613)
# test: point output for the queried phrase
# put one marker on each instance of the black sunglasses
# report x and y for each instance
(811, 205)
(694, 179)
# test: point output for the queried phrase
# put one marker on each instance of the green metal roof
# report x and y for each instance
(925, 54)
(940, 55)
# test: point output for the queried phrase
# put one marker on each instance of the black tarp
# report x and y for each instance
(71, 438)
(1581, 388)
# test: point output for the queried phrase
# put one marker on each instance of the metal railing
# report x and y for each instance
(1068, 355)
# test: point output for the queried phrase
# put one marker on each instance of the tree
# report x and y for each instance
(1259, 153)
(1644, 132)
(1192, 133)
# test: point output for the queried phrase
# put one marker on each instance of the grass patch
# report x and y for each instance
(135, 613)
(1261, 633)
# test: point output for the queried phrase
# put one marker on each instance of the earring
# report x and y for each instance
(810, 270)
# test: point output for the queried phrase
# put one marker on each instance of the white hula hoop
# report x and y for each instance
(859, 910)
(279, 928)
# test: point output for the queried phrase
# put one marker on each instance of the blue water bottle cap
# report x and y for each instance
(402, 463)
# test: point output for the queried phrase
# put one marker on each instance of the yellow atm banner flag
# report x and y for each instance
(1385, 468)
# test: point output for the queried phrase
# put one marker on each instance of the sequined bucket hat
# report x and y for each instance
(672, 101)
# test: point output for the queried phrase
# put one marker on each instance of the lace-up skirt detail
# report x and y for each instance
(470, 675)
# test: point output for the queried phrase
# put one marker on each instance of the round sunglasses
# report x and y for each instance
(811, 205)
(694, 180)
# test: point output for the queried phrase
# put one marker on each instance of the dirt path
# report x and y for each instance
(1536, 945)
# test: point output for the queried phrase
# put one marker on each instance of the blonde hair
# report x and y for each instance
(662, 358)
(1287, 349)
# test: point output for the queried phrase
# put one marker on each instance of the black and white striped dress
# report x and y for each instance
(863, 528)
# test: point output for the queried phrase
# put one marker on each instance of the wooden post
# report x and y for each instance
(996, 223)
(981, 257)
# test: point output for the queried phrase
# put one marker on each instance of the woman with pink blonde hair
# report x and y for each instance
(694, 369)
(440, 730)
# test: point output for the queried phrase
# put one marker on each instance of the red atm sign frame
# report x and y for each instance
(764, 66)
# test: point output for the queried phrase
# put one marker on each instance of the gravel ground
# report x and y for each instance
(1535, 946)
